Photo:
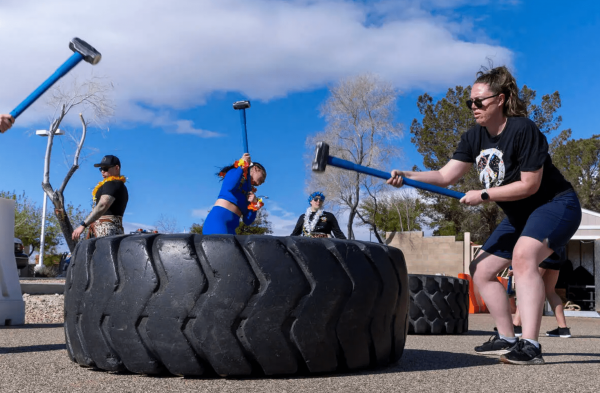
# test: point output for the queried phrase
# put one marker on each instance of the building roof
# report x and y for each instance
(589, 229)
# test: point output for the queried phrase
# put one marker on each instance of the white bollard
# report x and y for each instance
(12, 306)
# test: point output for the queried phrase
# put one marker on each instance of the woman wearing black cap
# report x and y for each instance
(110, 200)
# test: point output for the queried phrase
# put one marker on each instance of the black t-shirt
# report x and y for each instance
(326, 224)
(520, 147)
(117, 190)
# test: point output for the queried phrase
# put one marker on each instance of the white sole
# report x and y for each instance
(497, 353)
(556, 335)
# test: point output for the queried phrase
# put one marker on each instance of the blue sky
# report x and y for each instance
(177, 67)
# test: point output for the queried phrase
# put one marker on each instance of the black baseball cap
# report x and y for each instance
(108, 161)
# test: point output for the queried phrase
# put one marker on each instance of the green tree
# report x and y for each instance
(579, 161)
(28, 222)
(197, 228)
(260, 226)
(397, 212)
(436, 137)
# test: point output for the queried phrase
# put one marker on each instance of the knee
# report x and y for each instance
(522, 262)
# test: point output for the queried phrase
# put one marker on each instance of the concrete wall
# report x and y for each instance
(429, 255)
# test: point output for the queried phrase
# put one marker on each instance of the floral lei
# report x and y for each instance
(309, 225)
(258, 203)
(110, 178)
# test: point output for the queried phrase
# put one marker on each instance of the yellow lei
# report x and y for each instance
(110, 178)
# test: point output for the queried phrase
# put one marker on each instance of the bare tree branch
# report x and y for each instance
(76, 159)
(360, 128)
(92, 95)
(166, 224)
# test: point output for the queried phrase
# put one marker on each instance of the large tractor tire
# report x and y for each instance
(438, 305)
(234, 305)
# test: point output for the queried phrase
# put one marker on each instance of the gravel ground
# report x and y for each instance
(43, 309)
(33, 357)
(43, 281)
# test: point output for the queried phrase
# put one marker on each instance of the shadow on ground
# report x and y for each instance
(33, 348)
(33, 326)
(425, 360)
(548, 357)
(412, 360)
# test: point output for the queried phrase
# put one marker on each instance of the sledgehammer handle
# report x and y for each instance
(338, 162)
(59, 73)
(244, 130)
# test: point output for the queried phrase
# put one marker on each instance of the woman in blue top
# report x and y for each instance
(237, 197)
(542, 210)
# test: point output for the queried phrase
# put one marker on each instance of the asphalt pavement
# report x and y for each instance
(33, 358)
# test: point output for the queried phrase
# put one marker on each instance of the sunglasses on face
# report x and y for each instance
(317, 199)
(479, 101)
(104, 168)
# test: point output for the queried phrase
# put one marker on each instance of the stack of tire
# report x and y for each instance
(438, 305)
(234, 305)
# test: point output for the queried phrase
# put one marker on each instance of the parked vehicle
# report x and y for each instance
(20, 256)
(140, 230)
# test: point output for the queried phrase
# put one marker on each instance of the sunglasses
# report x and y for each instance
(104, 168)
(318, 199)
(479, 101)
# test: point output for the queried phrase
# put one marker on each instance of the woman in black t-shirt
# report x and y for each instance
(542, 210)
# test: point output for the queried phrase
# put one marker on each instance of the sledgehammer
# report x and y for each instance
(83, 51)
(242, 106)
(322, 159)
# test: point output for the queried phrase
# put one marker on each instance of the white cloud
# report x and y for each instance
(134, 226)
(282, 221)
(181, 126)
(175, 54)
(185, 127)
(202, 212)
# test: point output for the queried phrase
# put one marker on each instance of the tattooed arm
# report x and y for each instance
(101, 207)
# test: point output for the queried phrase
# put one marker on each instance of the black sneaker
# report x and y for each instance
(524, 353)
(559, 332)
(495, 346)
(518, 330)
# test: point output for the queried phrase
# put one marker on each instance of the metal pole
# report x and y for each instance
(42, 237)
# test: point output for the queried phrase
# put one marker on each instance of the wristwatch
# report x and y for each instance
(83, 224)
(484, 195)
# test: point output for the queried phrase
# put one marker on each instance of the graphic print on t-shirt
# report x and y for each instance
(490, 166)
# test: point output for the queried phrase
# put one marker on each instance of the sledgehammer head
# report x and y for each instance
(89, 53)
(321, 155)
(241, 105)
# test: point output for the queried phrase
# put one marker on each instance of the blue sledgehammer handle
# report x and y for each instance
(75, 58)
(338, 162)
(244, 131)
(509, 286)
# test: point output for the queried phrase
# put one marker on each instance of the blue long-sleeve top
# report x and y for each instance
(234, 192)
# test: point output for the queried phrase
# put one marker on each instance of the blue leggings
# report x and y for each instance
(220, 221)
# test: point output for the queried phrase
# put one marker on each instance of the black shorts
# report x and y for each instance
(557, 220)
(551, 265)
